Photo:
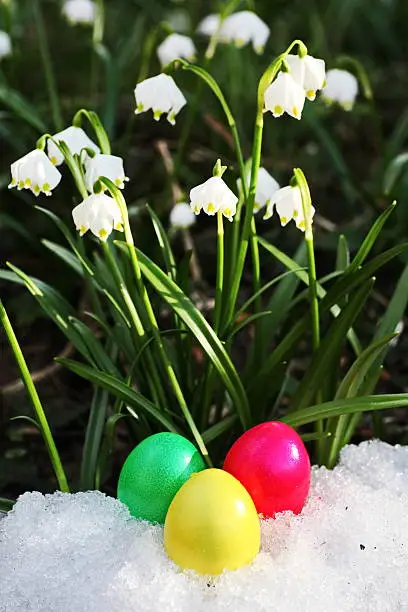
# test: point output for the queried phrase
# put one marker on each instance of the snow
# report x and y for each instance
(348, 550)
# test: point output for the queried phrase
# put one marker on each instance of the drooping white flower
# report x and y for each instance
(341, 87)
(308, 71)
(75, 139)
(174, 46)
(213, 196)
(265, 188)
(161, 94)
(288, 202)
(181, 216)
(79, 11)
(244, 27)
(98, 213)
(284, 94)
(239, 28)
(209, 25)
(109, 166)
(34, 171)
(5, 44)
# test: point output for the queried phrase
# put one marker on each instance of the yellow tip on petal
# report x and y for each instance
(139, 108)
(311, 95)
(157, 114)
(82, 230)
(46, 187)
(239, 42)
(27, 182)
(20, 185)
(36, 189)
(53, 160)
(227, 212)
(277, 111)
(295, 112)
(302, 226)
(283, 220)
(295, 213)
(119, 227)
(102, 234)
(210, 208)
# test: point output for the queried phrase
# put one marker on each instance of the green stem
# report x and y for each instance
(307, 214)
(248, 219)
(220, 273)
(115, 192)
(137, 328)
(35, 400)
(48, 71)
(313, 297)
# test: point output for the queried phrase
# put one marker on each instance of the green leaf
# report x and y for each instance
(6, 504)
(53, 304)
(21, 108)
(164, 244)
(304, 277)
(343, 254)
(121, 390)
(24, 417)
(345, 284)
(351, 385)
(68, 236)
(234, 329)
(323, 360)
(196, 323)
(100, 357)
(93, 439)
(285, 291)
(334, 408)
(370, 239)
(219, 428)
(65, 255)
(393, 172)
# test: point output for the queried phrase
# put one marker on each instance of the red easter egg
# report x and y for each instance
(272, 463)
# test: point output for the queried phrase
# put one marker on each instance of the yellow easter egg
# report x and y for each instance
(212, 524)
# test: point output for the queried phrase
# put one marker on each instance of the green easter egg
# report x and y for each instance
(154, 472)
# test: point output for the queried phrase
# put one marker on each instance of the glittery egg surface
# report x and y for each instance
(212, 524)
(272, 463)
(153, 473)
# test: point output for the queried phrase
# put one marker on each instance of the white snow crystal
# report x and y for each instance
(346, 552)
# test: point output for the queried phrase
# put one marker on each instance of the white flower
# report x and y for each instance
(209, 25)
(109, 166)
(75, 139)
(161, 94)
(285, 95)
(288, 202)
(174, 46)
(98, 213)
(341, 87)
(34, 171)
(308, 71)
(213, 196)
(265, 188)
(244, 27)
(5, 44)
(181, 216)
(239, 28)
(79, 11)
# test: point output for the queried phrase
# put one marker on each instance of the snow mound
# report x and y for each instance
(347, 551)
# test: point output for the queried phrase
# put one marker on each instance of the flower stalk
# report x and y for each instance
(35, 400)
